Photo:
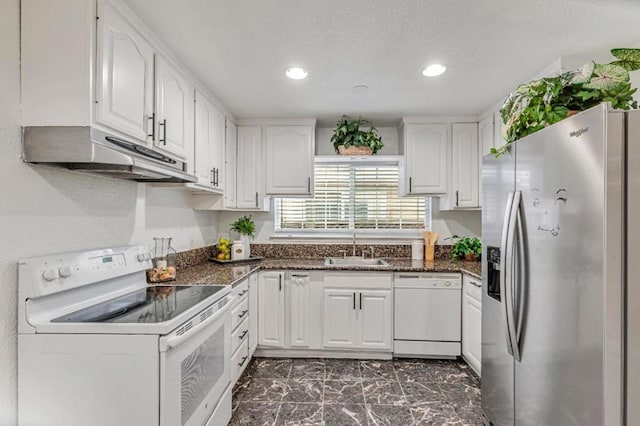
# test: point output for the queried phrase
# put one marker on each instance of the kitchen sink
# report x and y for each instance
(353, 261)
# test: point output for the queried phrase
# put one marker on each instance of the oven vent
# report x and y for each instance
(206, 314)
(188, 326)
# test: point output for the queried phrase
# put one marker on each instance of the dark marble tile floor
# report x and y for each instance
(336, 392)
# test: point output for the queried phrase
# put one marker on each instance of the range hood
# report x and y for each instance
(91, 150)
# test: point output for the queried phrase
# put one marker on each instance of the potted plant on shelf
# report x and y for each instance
(467, 248)
(356, 137)
(246, 227)
(540, 103)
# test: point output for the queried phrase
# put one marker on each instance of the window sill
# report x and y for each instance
(348, 236)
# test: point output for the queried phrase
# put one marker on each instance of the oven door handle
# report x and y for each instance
(175, 341)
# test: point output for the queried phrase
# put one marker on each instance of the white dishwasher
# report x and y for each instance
(427, 314)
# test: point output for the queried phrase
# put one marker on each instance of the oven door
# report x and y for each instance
(195, 366)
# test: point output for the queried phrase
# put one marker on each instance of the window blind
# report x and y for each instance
(353, 197)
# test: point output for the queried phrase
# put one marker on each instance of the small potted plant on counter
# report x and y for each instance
(467, 248)
(349, 137)
(246, 227)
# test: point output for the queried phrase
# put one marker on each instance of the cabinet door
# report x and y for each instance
(426, 153)
(271, 309)
(253, 312)
(465, 165)
(124, 76)
(231, 146)
(174, 109)
(375, 316)
(249, 168)
(486, 135)
(472, 324)
(339, 318)
(299, 307)
(289, 152)
(203, 146)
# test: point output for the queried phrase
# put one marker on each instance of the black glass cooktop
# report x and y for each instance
(148, 305)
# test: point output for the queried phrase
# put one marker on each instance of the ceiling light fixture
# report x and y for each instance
(297, 73)
(434, 70)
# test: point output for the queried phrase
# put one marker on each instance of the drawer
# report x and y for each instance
(239, 334)
(239, 360)
(240, 312)
(240, 289)
(473, 288)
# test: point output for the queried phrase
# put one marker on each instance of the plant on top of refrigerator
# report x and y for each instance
(540, 103)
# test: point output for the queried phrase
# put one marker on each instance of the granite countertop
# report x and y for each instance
(210, 273)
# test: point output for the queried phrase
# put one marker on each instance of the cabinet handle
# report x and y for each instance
(360, 301)
(409, 183)
(243, 313)
(163, 123)
(243, 293)
(309, 184)
(213, 179)
(457, 198)
(241, 363)
(299, 276)
(354, 300)
(153, 126)
(280, 282)
(244, 333)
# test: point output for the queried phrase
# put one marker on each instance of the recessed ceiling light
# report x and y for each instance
(297, 73)
(434, 70)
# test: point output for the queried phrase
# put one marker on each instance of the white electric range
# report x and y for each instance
(98, 346)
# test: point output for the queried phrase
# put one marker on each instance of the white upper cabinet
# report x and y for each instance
(231, 147)
(249, 172)
(124, 80)
(426, 149)
(487, 139)
(289, 152)
(174, 109)
(464, 171)
(209, 143)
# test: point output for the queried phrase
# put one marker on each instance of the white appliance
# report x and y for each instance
(427, 318)
(98, 346)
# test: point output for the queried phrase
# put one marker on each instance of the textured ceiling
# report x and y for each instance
(240, 49)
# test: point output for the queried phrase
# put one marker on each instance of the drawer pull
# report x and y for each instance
(243, 313)
(241, 363)
(243, 293)
(243, 334)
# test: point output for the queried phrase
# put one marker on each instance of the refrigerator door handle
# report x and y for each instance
(511, 276)
(520, 279)
(505, 266)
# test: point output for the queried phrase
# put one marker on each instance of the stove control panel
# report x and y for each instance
(51, 274)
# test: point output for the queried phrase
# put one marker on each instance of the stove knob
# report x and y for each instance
(65, 271)
(141, 257)
(50, 274)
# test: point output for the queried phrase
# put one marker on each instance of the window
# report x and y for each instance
(353, 197)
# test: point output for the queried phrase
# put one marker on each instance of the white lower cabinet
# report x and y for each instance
(299, 303)
(375, 312)
(240, 321)
(271, 308)
(339, 318)
(253, 313)
(357, 311)
(472, 321)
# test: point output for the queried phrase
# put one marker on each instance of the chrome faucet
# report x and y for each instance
(354, 245)
(373, 252)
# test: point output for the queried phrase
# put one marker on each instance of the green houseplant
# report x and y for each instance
(543, 102)
(467, 248)
(356, 137)
(246, 227)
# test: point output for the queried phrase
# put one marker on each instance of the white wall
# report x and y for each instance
(45, 210)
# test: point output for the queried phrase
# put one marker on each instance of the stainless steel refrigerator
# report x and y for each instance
(561, 275)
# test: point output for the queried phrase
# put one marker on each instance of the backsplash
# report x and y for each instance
(308, 251)
(184, 259)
